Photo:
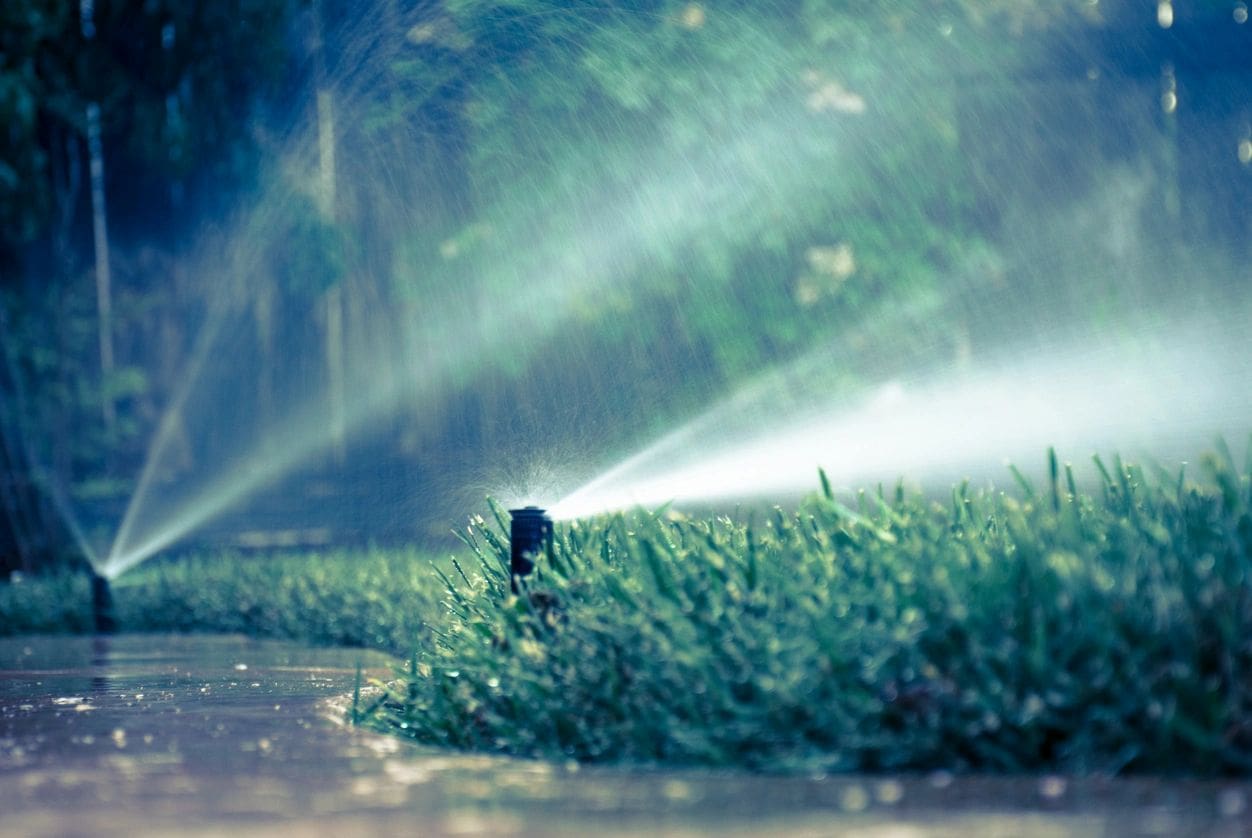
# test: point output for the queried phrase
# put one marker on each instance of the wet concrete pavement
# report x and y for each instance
(161, 735)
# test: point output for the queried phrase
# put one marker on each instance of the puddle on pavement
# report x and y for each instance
(140, 734)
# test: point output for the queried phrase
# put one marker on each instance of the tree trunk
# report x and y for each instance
(100, 232)
(67, 186)
(333, 300)
(104, 290)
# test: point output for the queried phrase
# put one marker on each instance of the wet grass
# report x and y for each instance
(1049, 630)
(373, 598)
(1042, 628)
(51, 603)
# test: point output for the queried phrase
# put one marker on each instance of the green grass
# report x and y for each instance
(1054, 630)
(375, 598)
(1042, 629)
(51, 603)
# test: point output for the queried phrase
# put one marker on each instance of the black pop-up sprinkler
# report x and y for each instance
(529, 532)
(102, 605)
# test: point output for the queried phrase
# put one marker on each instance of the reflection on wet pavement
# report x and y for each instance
(159, 735)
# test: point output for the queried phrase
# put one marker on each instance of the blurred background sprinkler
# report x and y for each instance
(529, 532)
(102, 615)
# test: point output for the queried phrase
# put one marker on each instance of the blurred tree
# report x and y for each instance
(720, 185)
(31, 534)
(177, 86)
(702, 190)
(713, 188)
(176, 83)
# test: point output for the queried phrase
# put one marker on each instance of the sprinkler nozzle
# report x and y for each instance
(529, 532)
(102, 605)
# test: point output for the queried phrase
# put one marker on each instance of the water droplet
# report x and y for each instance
(693, 16)
(1232, 803)
(1052, 787)
(1159, 821)
(889, 792)
(854, 798)
(676, 790)
(1165, 14)
(406, 773)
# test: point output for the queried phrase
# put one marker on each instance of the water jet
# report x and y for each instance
(1167, 401)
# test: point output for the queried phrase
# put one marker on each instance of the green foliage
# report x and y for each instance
(310, 254)
(1059, 632)
(25, 197)
(371, 598)
(693, 192)
(49, 603)
(50, 341)
(171, 80)
(767, 171)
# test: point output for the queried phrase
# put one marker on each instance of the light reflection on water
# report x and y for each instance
(152, 735)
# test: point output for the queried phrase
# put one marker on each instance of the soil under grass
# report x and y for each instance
(1045, 629)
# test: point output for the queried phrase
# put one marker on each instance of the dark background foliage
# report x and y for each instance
(462, 148)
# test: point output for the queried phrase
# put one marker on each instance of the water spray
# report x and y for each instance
(102, 605)
(529, 532)
(1165, 402)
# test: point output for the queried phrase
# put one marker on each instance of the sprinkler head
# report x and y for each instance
(102, 605)
(529, 532)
